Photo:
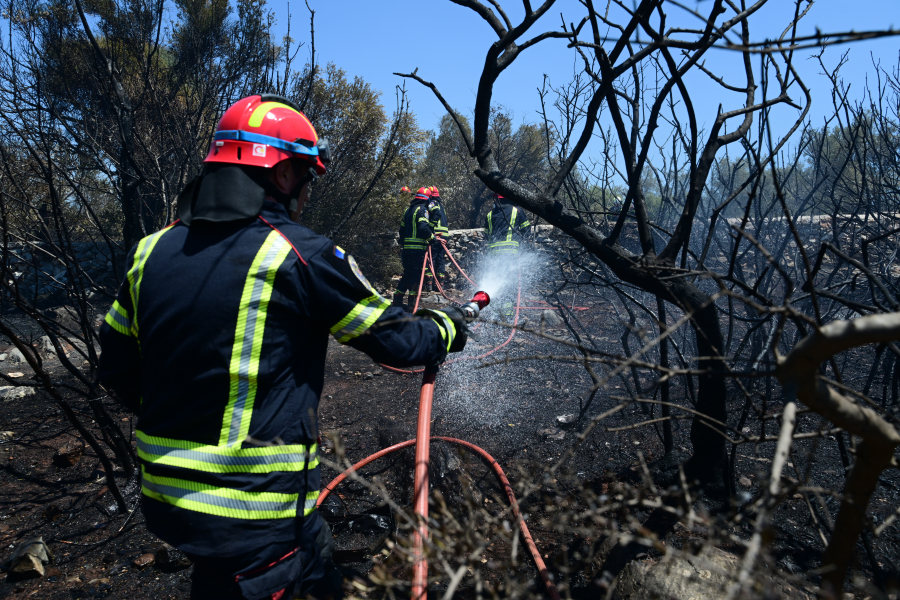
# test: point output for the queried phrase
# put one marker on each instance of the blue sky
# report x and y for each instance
(447, 43)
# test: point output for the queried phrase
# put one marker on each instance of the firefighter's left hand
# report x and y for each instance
(457, 319)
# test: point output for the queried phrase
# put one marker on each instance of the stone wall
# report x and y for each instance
(43, 275)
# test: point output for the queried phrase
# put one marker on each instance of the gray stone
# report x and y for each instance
(46, 346)
(14, 392)
(707, 576)
(26, 567)
(6, 436)
(29, 558)
(566, 419)
(552, 434)
(552, 318)
(16, 357)
(3, 356)
(144, 560)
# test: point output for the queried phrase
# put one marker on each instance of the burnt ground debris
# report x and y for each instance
(503, 408)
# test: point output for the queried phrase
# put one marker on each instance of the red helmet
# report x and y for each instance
(423, 194)
(434, 192)
(261, 131)
(405, 190)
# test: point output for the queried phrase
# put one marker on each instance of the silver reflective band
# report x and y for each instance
(173, 454)
(220, 501)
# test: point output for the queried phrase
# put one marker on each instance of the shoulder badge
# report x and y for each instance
(339, 252)
(362, 278)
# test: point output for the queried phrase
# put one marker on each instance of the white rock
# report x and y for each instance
(46, 346)
(14, 392)
(565, 419)
(3, 356)
(15, 357)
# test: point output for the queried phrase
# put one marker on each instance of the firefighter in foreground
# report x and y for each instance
(217, 339)
(416, 234)
(504, 230)
(437, 217)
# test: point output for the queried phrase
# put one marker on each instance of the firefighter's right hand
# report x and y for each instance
(449, 317)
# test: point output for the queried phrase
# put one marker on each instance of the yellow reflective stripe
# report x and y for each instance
(509, 232)
(490, 223)
(260, 112)
(222, 502)
(358, 320)
(248, 339)
(310, 504)
(226, 459)
(525, 224)
(448, 329)
(136, 273)
(117, 318)
(503, 247)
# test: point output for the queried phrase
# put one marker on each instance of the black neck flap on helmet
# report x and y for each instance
(227, 193)
(232, 193)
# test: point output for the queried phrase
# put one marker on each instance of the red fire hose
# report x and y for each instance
(456, 264)
(423, 443)
(421, 483)
(423, 429)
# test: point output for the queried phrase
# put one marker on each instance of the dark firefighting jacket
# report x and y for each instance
(217, 339)
(415, 229)
(504, 228)
(437, 217)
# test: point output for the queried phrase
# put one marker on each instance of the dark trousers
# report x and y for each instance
(279, 571)
(412, 271)
(439, 257)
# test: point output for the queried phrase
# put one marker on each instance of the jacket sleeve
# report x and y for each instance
(441, 226)
(523, 226)
(120, 358)
(422, 224)
(356, 315)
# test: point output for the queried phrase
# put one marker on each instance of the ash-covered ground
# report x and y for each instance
(519, 410)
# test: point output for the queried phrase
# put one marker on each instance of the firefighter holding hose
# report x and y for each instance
(416, 235)
(217, 340)
(437, 216)
(504, 230)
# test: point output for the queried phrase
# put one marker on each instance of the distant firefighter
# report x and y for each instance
(504, 228)
(437, 216)
(416, 234)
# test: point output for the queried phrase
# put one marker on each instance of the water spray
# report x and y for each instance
(423, 443)
(472, 310)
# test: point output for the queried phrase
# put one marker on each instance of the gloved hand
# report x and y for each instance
(457, 320)
(430, 240)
